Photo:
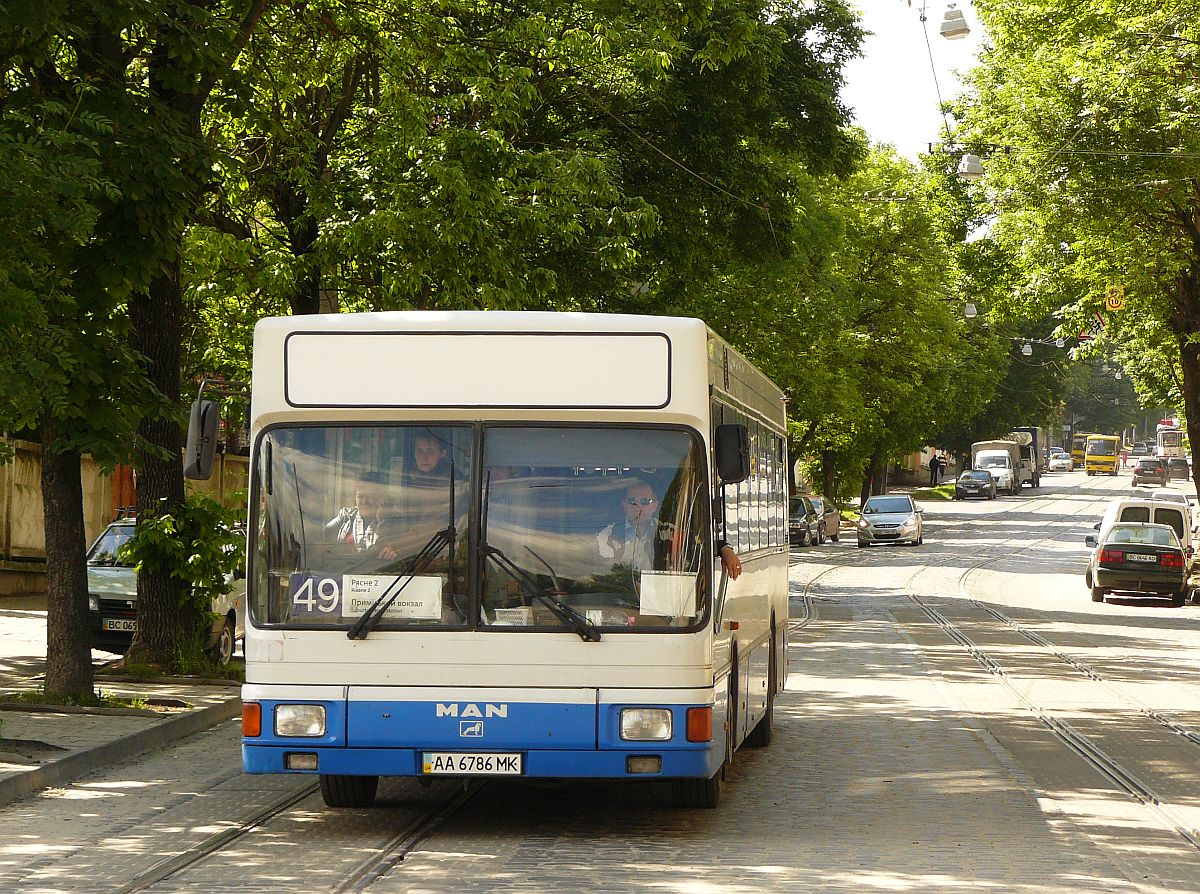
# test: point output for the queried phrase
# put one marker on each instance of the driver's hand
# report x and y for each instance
(731, 561)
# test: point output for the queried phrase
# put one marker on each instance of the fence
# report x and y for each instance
(105, 497)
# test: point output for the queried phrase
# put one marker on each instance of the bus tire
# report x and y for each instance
(761, 735)
(706, 793)
(348, 791)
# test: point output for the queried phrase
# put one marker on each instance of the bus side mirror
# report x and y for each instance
(201, 440)
(733, 453)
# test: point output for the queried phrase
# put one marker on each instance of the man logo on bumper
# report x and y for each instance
(470, 729)
(471, 710)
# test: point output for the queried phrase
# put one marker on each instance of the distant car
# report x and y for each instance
(1138, 450)
(804, 525)
(1060, 462)
(890, 518)
(1178, 467)
(830, 519)
(1138, 558)
(975, 483)
(112, 598)
(1149, 470)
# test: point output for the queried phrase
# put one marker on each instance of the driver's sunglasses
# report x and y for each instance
(640, 501)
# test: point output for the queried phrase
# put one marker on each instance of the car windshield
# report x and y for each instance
(1149, 464)
(975, 476)
(574, 527)
(993, 462)
(1103, 447)
(104, 550)
(887, 504)
(1153, 535)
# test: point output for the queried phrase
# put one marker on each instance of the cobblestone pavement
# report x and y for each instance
(899, 763)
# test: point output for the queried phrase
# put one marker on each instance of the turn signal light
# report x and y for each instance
(251, 719)
(1170, 560)
(699, 724)
(1112, 556)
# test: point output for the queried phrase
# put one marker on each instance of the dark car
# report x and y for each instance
(1137, 557)
(975, 483)
(1178, 467)
(1149, 470)
(804, 525)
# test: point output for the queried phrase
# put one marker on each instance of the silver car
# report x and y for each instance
(890, 518)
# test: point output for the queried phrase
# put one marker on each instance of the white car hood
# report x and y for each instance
(107, 580)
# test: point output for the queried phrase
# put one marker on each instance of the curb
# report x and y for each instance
(77, 763)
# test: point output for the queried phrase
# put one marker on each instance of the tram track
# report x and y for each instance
(358, 878)
(1069, 735)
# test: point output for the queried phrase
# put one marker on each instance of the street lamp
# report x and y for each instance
(1026, 349)
(970, 311)
(970, 167)
(954, 24)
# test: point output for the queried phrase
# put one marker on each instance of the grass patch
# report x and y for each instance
(941, 492)
(101, 700)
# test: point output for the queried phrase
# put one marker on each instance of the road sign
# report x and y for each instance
(1114, 298)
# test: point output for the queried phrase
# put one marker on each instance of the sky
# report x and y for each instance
(891, 87)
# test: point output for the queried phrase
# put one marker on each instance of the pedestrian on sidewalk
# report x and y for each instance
(935, 468)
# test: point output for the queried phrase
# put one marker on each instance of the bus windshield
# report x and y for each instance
(1102, 446)
(607, 522)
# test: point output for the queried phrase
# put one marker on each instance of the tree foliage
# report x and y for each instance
(1087, 115)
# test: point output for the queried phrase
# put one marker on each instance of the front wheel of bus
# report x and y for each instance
(348, 791)
(706, 793)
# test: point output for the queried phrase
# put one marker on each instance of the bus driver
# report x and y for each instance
(641, 538)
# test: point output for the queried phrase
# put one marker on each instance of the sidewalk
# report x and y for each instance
(43, 746)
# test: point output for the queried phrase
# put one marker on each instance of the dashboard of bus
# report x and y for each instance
(595, 529)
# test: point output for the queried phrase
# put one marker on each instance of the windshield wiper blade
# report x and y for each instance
(571, 617)
(446, 537)
(369, 619)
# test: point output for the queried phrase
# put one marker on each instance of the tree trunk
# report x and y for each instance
(157, 317)
(68, 639)
(829, 473)
(1189, 357)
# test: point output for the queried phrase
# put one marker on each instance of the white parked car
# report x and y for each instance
(112, 599)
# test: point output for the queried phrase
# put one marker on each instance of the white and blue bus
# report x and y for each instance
(486, 543)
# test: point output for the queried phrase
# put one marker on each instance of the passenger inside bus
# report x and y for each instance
(357, 524)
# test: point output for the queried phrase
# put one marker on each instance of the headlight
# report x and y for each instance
(910, 521)
(299, 720)
(863, 523)
(93, 603)
(646, 724)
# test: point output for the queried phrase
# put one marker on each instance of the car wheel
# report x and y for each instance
(1097, 594)
(861, 545)
(1087, 578)
(1178, 600)
(834, 538)
(820, 535)
(222, 650)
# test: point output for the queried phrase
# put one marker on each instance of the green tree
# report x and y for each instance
(1086, 114)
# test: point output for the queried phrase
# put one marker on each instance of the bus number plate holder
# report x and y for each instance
(461, 763)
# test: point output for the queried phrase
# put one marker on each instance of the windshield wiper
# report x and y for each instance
(577, 622)
(446, 537)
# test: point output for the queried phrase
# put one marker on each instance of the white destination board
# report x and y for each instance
(401, 369)
(420, 600)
